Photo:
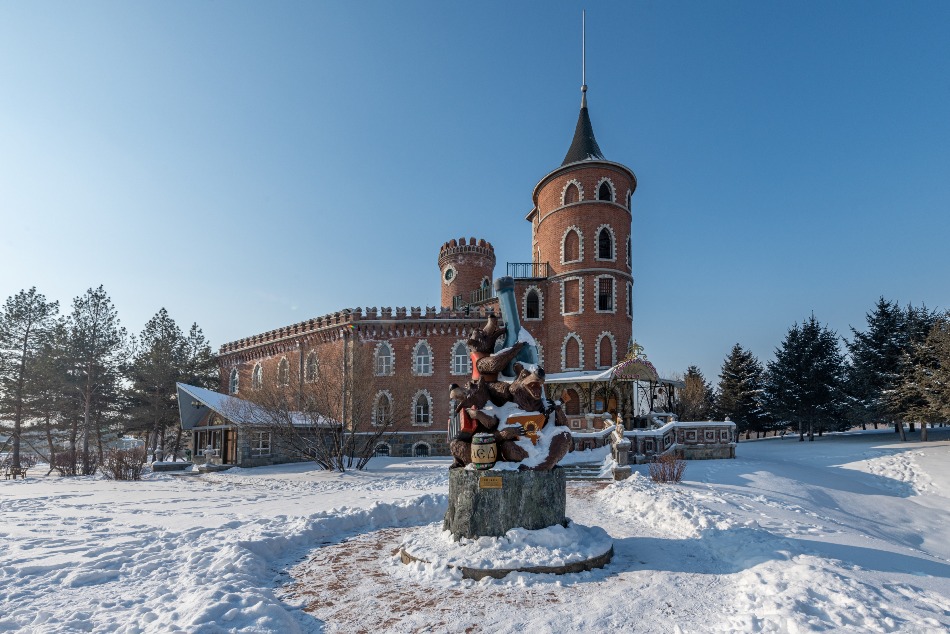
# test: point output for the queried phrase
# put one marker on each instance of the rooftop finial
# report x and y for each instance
(583, 58)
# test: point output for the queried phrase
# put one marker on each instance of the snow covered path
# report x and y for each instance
(849, 533)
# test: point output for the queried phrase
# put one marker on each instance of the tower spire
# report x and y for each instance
(583, 58)
(583, 146)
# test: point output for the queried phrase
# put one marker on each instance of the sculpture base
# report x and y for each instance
(490, 503)
(554, 550)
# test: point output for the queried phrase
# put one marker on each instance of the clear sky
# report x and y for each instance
(251, 165)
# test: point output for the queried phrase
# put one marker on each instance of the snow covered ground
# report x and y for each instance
(849, 533)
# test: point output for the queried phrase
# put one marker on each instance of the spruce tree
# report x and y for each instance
(26, 324)
(804, 383)
(876, 362)
(695, 398)
(739, 394)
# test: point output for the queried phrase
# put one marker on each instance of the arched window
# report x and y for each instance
(532, 305)
(604, 192)
(606, 355)
(629, 265)
(571, 194)
(381, 451)
(420, 450)
(283, 372)
(384, 359)
(383, 410)
(422, 410)
(629, 196)
(461, 362)
(605, 245)
(572, 352)
(312, 369)
(257, 377)
(572, 246)
(422, 359)
(233, 382)
(572, 405)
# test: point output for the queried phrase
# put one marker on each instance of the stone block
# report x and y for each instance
(524, 499)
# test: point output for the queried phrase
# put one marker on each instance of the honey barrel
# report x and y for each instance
(484, 451)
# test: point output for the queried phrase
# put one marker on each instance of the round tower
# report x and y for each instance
(580, 226)
(466, 267)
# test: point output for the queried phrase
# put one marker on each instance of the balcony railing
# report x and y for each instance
(482, 294)
(529, 270)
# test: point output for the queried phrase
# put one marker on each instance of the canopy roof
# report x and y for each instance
(194, 403)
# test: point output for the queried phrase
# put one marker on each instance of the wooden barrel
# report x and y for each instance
(484, 452)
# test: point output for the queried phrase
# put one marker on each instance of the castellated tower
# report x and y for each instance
(580, 227)
(466, 268)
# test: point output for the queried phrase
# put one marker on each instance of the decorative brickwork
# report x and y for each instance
(572, 246)
(608, 342)
(572, 352)
(612, 256)
(610, 184)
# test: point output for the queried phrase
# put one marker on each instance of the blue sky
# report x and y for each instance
(251, 165)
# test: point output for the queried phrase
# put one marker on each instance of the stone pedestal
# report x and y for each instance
(490, 503)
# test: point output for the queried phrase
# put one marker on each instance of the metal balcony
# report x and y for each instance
(529, 270)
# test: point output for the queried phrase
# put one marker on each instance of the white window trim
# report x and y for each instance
(381, 394)
(306, 367)
(629, 200)
(580, 352)
(630, 299)
(580, 244)
(613, 303)
(257, 448)
(540, 354)
(412, 408)
(613, 350)
(629, 247)
(415, 355)
(234, 380)
(468, 362)
(392, 358)
(524, 304)
(280, 364)
(610, 184)
(580, 294)
(613, 244)
(257, 376)
(580, 191)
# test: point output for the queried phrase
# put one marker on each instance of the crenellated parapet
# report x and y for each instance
(371, 322)
(454, 248)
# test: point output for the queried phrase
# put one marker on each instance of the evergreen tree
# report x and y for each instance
(97, 349)
(804, 383)
(739, 394)
(876, 363)
(26, 323)
(923, 394)
(695, 398)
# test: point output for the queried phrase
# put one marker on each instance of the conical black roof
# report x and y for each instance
(584, 146)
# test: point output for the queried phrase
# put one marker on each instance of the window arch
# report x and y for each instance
(257, 377)
(572, 245)
(572, 352)
(532, 304)
(312, 367)
(461, 362)
(382, 450)
(233, 381)
(606, 243)
(629, 199)
(629, 265)
(629, 299)
(422, 408)
(573, 193)
(572, 406)
(383, 409)
(605, 190)
(422, 359)
(606, 350)
(384, 361)
(420, 450)
(283, 372)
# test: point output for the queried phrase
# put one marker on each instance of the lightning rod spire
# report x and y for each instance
(583, 58)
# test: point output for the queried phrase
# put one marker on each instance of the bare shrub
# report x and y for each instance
(668, 467)
(124, 464)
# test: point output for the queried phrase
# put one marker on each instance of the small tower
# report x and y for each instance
(466, 268)
(581, 225)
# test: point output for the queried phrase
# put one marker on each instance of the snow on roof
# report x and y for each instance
(194, 403)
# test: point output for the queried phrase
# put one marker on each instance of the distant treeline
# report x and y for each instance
(896, 371)
(81, 380)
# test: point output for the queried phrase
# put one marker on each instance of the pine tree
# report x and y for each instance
(804, 383)
(876, 363)
(97, 347)
(26, 323)
(695, 398)
(739, 392)
(923, 394)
